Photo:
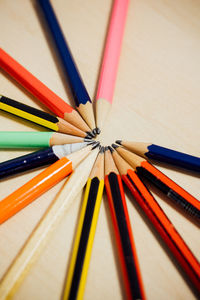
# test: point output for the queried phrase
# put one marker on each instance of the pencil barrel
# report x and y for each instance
(27, 193)
(124, 237)
(164, 227)
(173, 157)
(79, 265)
(27, 162)
(78, 89)
(24, 139)
(29, 113)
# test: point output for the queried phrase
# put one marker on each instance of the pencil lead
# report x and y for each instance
(111, 149)
(94, 131)
(87, 140)
(115, 146)
(106, 149)
(98, 131)
(101, 149)
(88, 136)
(91, 142)
(118, 142)
(95, 145)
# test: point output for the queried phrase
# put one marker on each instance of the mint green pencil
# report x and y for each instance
(24, 139)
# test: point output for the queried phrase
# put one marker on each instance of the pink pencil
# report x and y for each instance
(110, 60)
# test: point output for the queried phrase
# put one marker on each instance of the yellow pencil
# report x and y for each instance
(78, 268)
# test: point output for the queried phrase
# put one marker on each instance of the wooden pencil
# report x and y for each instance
(80, 259)
(41, 91)
(80, 94)
(110, 61)
(35, 187)
(123, 233)
(36, 139)
(37, 159)
(160, 221)
(47, 224)
(163, 154)
(37, 116)
(172, 190)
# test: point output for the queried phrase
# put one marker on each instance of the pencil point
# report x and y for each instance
(91, 142)
(118, 142)
(111, 149)
(89, 136)
(95, 145)
(105, 148)
(94, 131)
(115, 146)
(98, 131)
(102, 149)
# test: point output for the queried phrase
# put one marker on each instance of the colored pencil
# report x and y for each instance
(160, 221)
(172, 190)
(37, 159)
(35, 187)
(47, 224)
(163, 154)
(122, 229)
(110, 61)
(80, 94)
(34, 139)
(37, 116)
(79, 263)
(41, 91)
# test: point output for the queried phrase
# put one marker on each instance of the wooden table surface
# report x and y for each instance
(156, 99)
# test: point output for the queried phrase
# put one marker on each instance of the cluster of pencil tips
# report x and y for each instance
(70, 148)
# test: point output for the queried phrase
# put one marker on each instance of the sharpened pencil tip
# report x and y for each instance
(98, 131)
(89, 135)
(94, 131)
(118, 142)
(105, 148)
(95, 145)
(115, 146)
(102, 149)
(111, 149)
(91, 142)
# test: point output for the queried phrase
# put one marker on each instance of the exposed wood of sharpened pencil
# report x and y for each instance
(80, 94)
(123, 233)
(172, 190)
(37, 159)
(35, 187)
(79, 263)
(41, 233)
(41, 91)
(110, 60)
(37, 116)
(35, 139)
(159, 220)
(163, 154)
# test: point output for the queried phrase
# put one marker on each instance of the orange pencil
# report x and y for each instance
(172, 190)
(159, 220)
(41, 91)
(23, 196)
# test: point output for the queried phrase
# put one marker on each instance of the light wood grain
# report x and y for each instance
(156, 99)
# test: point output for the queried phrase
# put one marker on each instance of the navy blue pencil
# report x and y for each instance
(37, 159)
(80, 94)
(166, 155)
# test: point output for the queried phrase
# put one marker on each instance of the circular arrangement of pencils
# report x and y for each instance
(69, 147)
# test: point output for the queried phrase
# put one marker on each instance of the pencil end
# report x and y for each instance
(95, 145)
(115, 146)
(98, 131)
(119, 142)
(111, 149)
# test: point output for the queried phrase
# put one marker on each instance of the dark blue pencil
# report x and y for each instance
(37, 159)
(166, 155)
(80, 94)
